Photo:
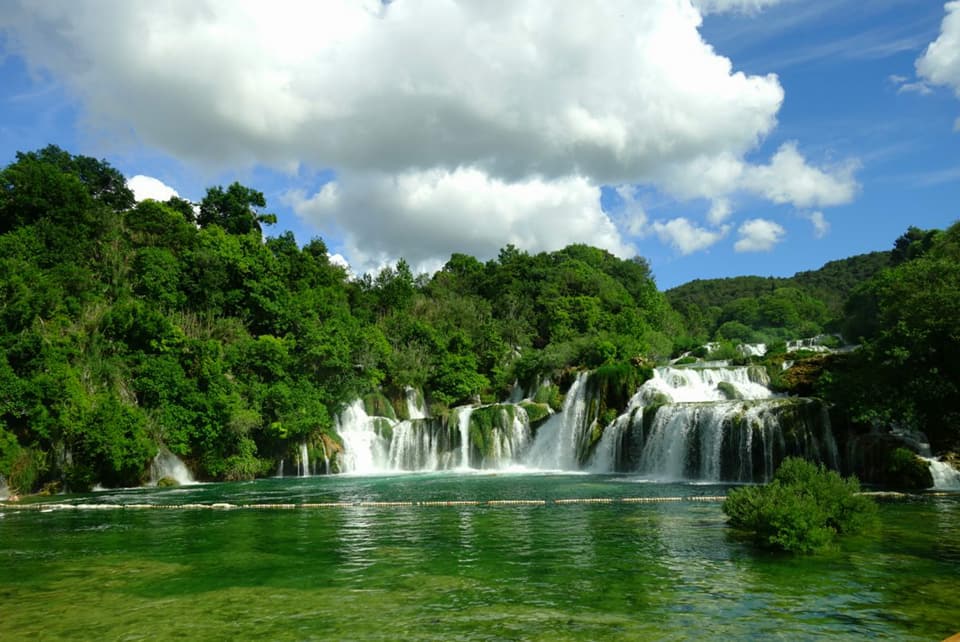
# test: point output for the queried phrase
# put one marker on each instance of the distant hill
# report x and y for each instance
(755, 308)
(831, 284)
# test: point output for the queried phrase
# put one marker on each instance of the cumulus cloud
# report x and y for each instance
(534, 101)
(687, 237)
(435, 212)
(758, 235)
(820, 225)
(940, 63)
(789, 179)
(144, 187)
(720, 210)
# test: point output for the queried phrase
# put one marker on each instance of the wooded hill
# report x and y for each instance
(128, 326)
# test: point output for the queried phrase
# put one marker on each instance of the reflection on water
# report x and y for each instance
(606, 571)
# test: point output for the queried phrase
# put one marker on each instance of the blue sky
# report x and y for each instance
(719, 138)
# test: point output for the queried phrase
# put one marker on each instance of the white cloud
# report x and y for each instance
(722, 6)
(921, 88)
(720, 210)
(758, 235)
(435, 212)
(789, 179)
(687, 237)
(820, 225)
(534, 101)
(144, 187)
(940, 63)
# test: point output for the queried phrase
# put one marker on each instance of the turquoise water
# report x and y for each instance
(539, 572)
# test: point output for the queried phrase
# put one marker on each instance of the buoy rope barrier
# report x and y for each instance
(45, 507)
(63, 506)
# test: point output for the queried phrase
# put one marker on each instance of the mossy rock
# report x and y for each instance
(383, 427)
(549, 394)
(907, 471)
(729, 391)
(51, 488)
(167, 482)
(377, 405)
(536, 412)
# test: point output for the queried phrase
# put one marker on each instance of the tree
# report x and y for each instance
(234, 209)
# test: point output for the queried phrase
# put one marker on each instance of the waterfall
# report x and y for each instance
(945, 476)
(414, 400)
(560, 441)
(304, 460)
(736, 440)
(713, 424)
(707, 384)
(463, 423)
(611, 451)
(4, 489)
(280, 469)
(168, 465)
(416, 445)
(365, 450)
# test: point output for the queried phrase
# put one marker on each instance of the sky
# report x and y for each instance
(714, 138)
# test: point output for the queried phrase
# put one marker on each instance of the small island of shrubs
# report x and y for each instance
(803, 510)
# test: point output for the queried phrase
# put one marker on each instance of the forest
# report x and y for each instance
(130, 326)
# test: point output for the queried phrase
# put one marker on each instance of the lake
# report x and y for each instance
(500, 571)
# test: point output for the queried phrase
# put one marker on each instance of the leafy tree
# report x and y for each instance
(234, 209)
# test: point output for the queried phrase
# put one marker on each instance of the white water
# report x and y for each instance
(304, 460)
(559, 440)
(680, 385)
(752, 349)
(280, 469)
(607, 453)
(364, 451)
(463, 423)
(945, 476)
(166, 464)
(4, 489)
(415, 407)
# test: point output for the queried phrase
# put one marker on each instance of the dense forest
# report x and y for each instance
(126, 327)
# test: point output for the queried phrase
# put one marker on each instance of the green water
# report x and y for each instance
(554, 572)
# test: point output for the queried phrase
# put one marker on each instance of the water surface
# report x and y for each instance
(538, 572)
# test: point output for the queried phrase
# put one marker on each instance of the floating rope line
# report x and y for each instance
(697, 499)
(49, 507)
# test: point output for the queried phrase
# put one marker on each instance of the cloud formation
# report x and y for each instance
(940, 63)
(144, 187)
(687, 237)
(759, 235)
(535, 102)
(435, 212)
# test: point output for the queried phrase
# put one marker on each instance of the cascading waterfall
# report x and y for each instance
(614, 444)
(304, 460)
(280, 469)
(463, 423)
(945, 476)
(706, 423)
(365, 449)
(561, 440)
(168, 465)
(713, 424)
(415, 407)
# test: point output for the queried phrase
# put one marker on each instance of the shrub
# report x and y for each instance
(802, 510)
(906, 470)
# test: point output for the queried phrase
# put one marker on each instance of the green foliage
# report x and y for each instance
(802, 510)
(908, 368)
(907, 471)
